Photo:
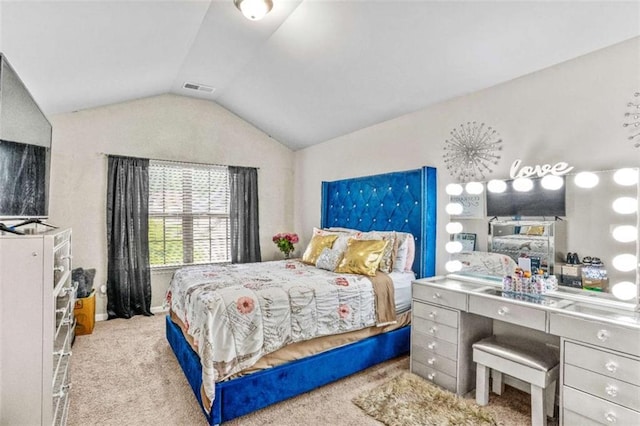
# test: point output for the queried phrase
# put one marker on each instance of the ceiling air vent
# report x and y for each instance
(198, 87)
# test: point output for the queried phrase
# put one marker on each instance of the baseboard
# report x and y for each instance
(154, 310)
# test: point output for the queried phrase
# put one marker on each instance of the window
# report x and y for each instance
(188, 214)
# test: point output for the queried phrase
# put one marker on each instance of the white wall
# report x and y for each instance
(164, 127)
(571, 112)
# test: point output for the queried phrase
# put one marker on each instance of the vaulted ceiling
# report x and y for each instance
(311, 70)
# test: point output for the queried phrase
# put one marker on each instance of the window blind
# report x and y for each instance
(188, 214)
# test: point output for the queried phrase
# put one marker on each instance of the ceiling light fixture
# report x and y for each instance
(254, 9)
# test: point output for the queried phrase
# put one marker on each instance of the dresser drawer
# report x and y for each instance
(609, 336)
(435, 313)
(430, 359)
(442, 297)
(571, 418)
(433, 329)
(602, 362)
(613, 390)
(597, 409)
(437, 346)
(508, 312)
(434, 376)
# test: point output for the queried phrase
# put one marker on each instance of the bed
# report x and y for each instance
(400, 201)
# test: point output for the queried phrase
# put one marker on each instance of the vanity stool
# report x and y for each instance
(534, 363)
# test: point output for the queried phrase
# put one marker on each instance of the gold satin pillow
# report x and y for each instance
(315, 247)
(362, 257)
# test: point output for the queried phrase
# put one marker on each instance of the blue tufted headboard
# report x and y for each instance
(398, 201)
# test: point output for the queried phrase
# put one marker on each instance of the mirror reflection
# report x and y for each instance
(581, 228)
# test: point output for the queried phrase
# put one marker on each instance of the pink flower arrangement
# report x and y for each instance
(285, 242)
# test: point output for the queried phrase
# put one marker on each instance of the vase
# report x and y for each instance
(287, 255)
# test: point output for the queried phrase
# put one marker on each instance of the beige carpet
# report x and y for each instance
(409, 400)
(126, 374)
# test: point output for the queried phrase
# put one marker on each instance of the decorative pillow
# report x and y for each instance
(411, 253)
(386, 263)
(329, 259)
(362, 257)
(317, 243)
(401, 254)
(535, 230)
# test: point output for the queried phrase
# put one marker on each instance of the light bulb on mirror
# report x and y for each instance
(453, 266)
(626, 177)
(454, 208)
(625, 233)
(474, 188)
(624, 262)
(625, 205)
(586, 180)
(453, 189)
(454, 227)
(523, 184)
(624, 290)
(453, 247)
(552, 182)
(497, 186)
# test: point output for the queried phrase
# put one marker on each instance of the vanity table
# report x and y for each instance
(599, 345)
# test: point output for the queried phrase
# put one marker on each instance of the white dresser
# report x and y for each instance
(36, 327)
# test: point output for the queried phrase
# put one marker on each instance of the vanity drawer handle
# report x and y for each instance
(433, 330)
(602, 335)
(611, 366)
(436, 295)
(610, 417)
(431, 361)
(433, 314)
(611, 390)
(503, 311)
(431, 376)
(431, 345)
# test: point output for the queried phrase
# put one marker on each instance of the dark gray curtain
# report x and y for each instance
(245, 231)
(128, 275)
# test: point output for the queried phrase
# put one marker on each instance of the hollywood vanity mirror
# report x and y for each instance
(593, 216)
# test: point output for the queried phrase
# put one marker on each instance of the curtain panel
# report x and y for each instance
(243, 212)
(128, 272)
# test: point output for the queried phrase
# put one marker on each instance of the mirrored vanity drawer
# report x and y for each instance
(604, 387)
(602, 362)
(508, 312)
(616, 337)
(434, 376)
(436, 314)
(433, 329)
(436, 362)
(439, 296)
(596, 409)
(422, 341)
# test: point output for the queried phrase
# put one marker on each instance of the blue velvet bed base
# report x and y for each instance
(243, 395)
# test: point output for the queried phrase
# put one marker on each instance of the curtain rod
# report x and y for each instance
(173, 161)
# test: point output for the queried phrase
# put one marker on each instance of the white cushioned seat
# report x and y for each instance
(534, 355)
(534, 363)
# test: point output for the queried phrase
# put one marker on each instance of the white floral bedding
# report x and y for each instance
(238, 313)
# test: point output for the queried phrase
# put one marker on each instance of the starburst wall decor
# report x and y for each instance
(632, 120)
(472, 151)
